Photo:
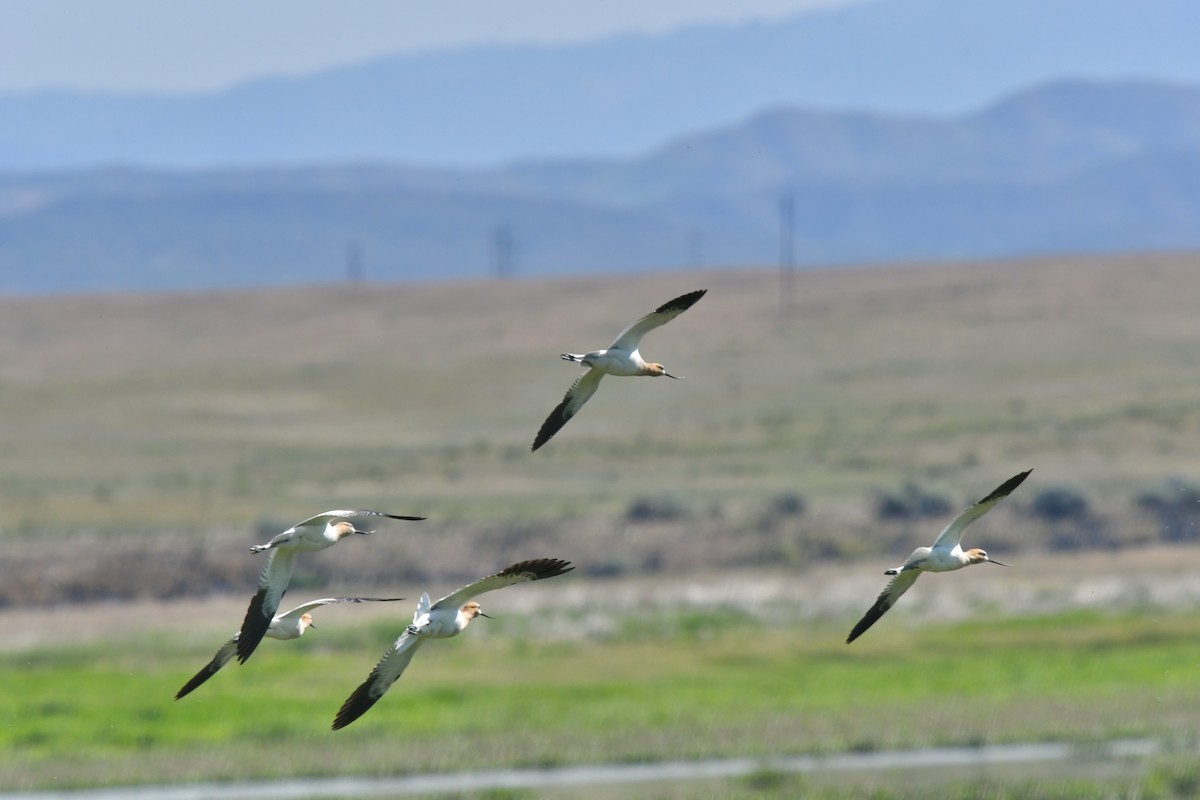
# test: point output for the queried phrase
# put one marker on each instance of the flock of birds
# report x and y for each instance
(450, 615)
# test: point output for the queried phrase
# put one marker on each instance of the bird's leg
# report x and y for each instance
(277, 540)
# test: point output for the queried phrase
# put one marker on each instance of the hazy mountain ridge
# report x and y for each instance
(613, 97)
(1067, 167)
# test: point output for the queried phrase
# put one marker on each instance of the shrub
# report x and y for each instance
(1176, 503)
(655, 509)
(909, 503)
(1060, 504)
(788, 504)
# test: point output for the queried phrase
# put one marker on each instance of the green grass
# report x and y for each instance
(701, 688)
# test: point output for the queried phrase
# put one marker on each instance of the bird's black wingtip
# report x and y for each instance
(540, 568)
(254, 626)
(194, 683)
(357, 704)
(553, 424)
(683, 302)
(1007, 488)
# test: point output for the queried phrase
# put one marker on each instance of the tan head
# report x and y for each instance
(655, 370)
(979, 556)
(472, 610)
(306, 622)
(343, 528)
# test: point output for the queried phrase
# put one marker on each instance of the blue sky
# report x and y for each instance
(167, 46)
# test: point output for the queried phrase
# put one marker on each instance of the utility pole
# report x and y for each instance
(354, 262)
(787, 252)
(695, 254)
(504, 252)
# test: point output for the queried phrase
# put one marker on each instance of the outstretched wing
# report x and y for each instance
(628, 339)
(211, 668)
(954, 531)
(386, 672)
(521, 572)
(579, 393)
(350, 513)
(272, 583)
(325, 601)
(887, 598)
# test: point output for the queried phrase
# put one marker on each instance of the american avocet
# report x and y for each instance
(621, 358)
(314, 533)
(945, 555)
(445, 618)
(289, 625)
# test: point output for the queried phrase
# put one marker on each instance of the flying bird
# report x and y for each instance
(621, 358)
(314, 533)
(445, 618)
(289, 625)
(946, 555)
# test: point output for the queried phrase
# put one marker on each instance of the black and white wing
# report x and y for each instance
(303, 608)
(386, 672)
(887, 598)
(350, 513)
(272, 583)
(628, 339)
(521, 572)
(954, 531)
(580, 392)
(222, 658)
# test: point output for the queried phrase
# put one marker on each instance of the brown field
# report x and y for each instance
(149, 439)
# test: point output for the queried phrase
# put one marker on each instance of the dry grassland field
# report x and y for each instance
(148, 440)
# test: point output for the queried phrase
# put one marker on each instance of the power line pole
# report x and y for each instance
(787, 252)
(504, 252)
(695, 252)
(354, 262)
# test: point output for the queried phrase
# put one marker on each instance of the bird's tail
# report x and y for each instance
(423, 607)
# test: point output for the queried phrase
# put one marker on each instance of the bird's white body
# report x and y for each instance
(283, 627)
(310, 536)
(441, 622)
(945, 555)
(938, 558)
(614, 361)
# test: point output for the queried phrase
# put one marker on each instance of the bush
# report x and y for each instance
(1060, 504)
(1073, 526)
(780, 509)
(1176, 503)
(788, 504)
(909, 503)
(655, 509)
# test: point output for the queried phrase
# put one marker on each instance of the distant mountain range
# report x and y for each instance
(1065, 167)
(616, 97)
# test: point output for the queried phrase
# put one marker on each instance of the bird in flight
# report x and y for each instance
(945, 555)
(314, 533)
(288, 625)
(620, 358)
(441, 620)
